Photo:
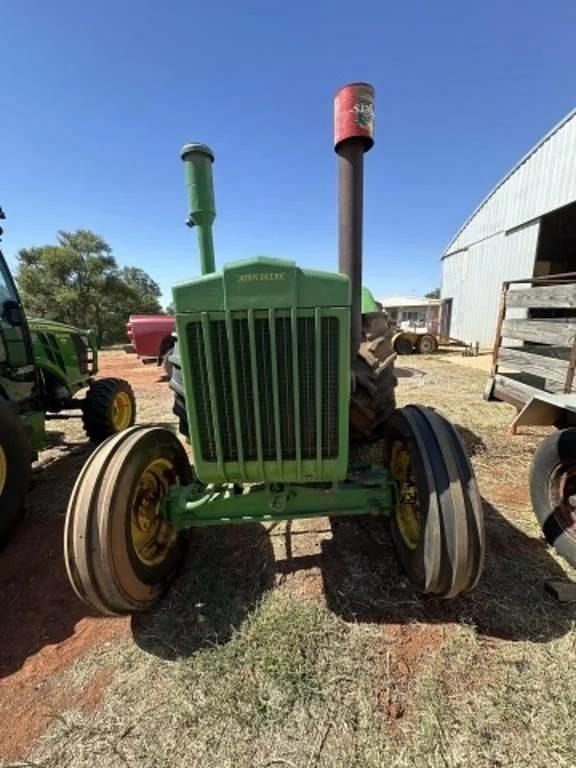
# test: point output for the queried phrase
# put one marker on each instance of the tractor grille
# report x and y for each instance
(265, 385)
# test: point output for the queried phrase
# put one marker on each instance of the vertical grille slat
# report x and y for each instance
(201, 391)
(266, 387)
(296, 391)
(255, 367)
(275, 389)
(330, 393)
(235, 393)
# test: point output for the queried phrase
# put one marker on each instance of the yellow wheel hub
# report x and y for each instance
(407, 514)
(121, 411)
(3, 469)
(152, 535)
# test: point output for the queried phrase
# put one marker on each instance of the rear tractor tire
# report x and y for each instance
(373, 400)
(120, 553)
(438, 524)
(15, 469)
(109, 408)
(177, 386)
(553, 491)
(164, 359)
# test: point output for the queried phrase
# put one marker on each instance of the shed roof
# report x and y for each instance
(541, 181)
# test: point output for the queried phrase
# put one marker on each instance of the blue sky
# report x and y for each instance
(98, 98)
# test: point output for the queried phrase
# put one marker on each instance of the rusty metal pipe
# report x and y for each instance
(350, 220)
(353, 136)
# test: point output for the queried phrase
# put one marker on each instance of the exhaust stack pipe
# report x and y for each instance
(353, 136)
(198, 159)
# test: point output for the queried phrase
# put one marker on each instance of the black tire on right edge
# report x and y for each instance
(553, 491)
(15, 469)
(438, 525)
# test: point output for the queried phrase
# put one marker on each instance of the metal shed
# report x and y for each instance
(526, 226)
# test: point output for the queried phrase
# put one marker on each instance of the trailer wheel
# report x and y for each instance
(427, 344)
(403, 345)
(438, 524)
(109, 407)
(373, 399)
(553, 491)
(120, 553)
(15, 469)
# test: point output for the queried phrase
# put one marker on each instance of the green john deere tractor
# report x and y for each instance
(279, 373)
(43, 366)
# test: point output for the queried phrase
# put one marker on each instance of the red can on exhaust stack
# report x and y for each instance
(354, 114)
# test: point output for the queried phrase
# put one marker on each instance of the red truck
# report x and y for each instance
(151, 336)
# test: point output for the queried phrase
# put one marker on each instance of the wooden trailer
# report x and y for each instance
(533, 368)
(534, 354)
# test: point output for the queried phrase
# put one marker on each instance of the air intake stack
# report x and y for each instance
(198, 159)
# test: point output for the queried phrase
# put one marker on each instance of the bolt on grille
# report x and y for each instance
(265, 386)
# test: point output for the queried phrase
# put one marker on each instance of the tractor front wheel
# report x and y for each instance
(438, 524)
(120, 551)
(109, 407)
(15, 469)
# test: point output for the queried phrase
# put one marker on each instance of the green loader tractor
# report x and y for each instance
(281, 376)
(43, 367)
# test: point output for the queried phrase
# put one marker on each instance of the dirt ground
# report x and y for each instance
(45, 629)
(43, 626)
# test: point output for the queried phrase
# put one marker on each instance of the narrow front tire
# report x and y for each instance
(120, 552)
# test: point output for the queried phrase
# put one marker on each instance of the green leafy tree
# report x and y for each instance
(146, 291)
(78, 281)
(435, 294)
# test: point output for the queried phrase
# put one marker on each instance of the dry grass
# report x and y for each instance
(328, 658)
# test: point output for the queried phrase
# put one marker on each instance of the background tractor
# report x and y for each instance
(278, 375)
(43, 367)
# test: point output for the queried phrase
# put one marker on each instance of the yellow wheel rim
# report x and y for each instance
(407, 513)
(3, 469)
(121, 411)
(152, 535)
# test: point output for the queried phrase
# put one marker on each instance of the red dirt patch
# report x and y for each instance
(509, 496)
(44, 627)
(405, 648)
(93, 695)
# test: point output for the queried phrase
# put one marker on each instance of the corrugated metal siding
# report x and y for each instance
(544, 180)
(473, 279)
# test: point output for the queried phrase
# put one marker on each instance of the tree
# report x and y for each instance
(146, 291)
(78, 281)
(435, 294)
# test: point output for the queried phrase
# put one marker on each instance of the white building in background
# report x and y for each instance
(412, 313)
(525, 227)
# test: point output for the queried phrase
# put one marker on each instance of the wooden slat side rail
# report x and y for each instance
(558, 353)
(558, 333)
(543, 297)
(514, 392)
(546, 367)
